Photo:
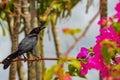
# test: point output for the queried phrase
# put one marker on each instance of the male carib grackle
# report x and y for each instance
(26, 45)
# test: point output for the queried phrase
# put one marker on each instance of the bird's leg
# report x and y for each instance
(34, 55)
(25, 59)
(37, 58)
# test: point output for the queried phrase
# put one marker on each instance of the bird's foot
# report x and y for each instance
(36, 57)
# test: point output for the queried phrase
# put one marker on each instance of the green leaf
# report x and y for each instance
(3, 29)
(78, 30)
(2, 15)
(74, 68)
(116, 67)
(116, 70)
(116, 26)
(106, 54)
(76, 63)
(50, 72)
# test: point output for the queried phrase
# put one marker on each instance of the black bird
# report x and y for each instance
(26, 45)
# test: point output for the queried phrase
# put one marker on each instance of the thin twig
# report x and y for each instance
(37, 59)
(82, 35)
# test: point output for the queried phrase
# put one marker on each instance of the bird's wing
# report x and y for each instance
(27, 43)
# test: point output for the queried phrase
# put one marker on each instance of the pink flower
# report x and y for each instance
(117, 8)
(104, 72)
(117, 59)
(83, 53)
(93, 62)
(118, 41)
(84, 69)
(103, 21)
(118, 15)
(108, 34)
(110, 19)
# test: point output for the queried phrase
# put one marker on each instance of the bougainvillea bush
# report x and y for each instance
(105, 54)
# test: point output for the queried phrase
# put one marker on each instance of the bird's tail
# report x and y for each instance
(7, 61)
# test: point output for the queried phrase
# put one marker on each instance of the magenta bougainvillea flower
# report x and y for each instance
(111, 19)
(108, 33)
(96, 61)
(93, 62)
(118, 15)
(117, 8)
(117, 59)
(83, 53)
(103, 21)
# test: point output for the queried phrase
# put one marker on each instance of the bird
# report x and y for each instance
(26, 45)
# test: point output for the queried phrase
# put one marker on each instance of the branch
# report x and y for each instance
(37, 59)
(82, 35)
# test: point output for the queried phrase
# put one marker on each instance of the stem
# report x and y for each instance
(37, 59)
(82, 35)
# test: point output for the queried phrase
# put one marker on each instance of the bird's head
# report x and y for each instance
(36, 30)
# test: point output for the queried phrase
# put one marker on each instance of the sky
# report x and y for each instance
(78, 19)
